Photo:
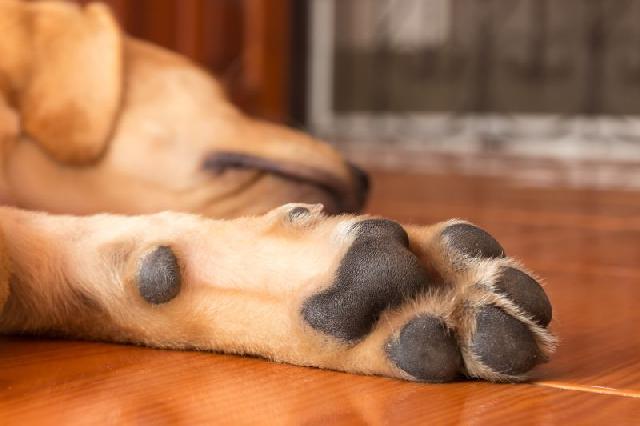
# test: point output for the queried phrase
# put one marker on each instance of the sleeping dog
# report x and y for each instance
(93, 121)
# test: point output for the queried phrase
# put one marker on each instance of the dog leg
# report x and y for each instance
(351, 293)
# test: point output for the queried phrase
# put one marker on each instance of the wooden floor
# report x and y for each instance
(585, 243)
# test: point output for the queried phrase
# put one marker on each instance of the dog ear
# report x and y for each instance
(70, 100)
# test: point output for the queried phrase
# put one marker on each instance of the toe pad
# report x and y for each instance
(503, 343)
(426, 349)
(525, 292)
(472, 241)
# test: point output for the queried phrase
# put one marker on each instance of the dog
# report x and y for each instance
(262, 252)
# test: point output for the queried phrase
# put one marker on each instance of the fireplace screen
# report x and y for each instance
(538, 77)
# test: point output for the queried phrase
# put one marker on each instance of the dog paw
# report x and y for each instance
(433, 304)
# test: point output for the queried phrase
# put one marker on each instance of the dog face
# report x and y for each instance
(107, 123)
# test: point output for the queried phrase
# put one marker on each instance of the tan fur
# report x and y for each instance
(72, 270)
(64, 70)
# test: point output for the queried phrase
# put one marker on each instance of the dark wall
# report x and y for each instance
(569, 57)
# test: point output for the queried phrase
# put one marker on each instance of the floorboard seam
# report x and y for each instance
(602, 390)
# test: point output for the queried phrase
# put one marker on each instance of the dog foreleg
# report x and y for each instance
(351, 293)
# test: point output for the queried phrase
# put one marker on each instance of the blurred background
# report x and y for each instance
(546, 89)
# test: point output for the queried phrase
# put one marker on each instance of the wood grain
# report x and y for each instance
(585, 243)
(93, 383)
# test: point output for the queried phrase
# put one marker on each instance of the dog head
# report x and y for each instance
(91, 120)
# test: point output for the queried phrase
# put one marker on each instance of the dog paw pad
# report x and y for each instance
(377, 272)
(381, 230)
(526, 293)
(503, 343)
(159, 276)
(426, 349)
(472, 241)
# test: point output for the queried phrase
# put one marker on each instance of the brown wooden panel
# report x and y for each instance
(266, 55)
(246, 43)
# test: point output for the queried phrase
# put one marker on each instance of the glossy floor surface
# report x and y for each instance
(585, 243)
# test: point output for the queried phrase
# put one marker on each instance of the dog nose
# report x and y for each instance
(362, 183)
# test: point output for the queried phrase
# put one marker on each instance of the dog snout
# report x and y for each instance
(348, 195)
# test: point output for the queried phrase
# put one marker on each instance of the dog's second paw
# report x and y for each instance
(433, 304)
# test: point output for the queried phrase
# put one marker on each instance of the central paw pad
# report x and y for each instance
(378, 272)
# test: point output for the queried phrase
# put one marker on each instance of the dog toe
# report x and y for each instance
(426, 350)
(472, 241)
(525, 292)
(504, 344)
